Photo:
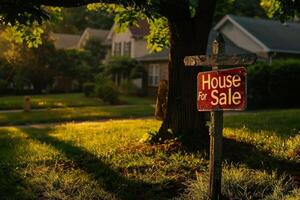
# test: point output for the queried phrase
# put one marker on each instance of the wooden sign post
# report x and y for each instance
(219, 90)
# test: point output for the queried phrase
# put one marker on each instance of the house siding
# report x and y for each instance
(240, 38)
(163, 75)
(121, 38)
(140, 48)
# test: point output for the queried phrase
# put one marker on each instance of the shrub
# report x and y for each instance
(3, 84)
(244, 183)
(89, 89)
(284, 83)
(274, 85)
(258, 79)
(128, 88)
(108, 93)
(106, 90)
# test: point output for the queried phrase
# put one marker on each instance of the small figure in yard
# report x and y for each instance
(26, 105)
(161, 101)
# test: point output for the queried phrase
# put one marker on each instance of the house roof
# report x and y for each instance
(71, 41)
(272, 35)
(142, 29)
(160, 56)
(139, 31)
(98, 34)
(230, 48)
(65, 41)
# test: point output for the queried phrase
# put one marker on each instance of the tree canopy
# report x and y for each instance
(76, 20)
(127, 12)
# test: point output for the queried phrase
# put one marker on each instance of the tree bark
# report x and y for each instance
(188, 37)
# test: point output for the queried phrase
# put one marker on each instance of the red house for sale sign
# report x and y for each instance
(222, 90)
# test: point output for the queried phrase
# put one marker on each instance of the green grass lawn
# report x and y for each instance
(63, 100)
(75, 114)
(111, 160)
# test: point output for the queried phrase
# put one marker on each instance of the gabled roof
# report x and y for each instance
(65, 41)
(230, 48)
(98, 34)
(142, 29)
(71, 41)
(271, 35)
(139, 31)
(160, 56)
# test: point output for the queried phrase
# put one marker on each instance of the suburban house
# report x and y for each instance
(72, 41)
(131, 42)
(268, 39)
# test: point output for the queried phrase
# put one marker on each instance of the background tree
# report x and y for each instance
(76, 20)
(97, 51)
(27, 66)
(189, 23)
(248, 8)
(122, 68)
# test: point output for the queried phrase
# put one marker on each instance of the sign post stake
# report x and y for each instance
(219, 90)
(216, 129)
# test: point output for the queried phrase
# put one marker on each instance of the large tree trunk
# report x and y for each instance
(188, 37)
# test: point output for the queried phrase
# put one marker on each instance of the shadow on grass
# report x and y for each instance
(12, 183)
(108, 178)
(238, 152)
(244, 153)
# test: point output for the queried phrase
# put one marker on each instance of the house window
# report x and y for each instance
(153, 75)
(127, 49)
(117, 49)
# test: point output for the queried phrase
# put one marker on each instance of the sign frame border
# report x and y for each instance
(226, 109)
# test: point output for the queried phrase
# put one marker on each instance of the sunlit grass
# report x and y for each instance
(110, 160)
(49, 101)
(65, 100)
(69, 161)
(269, 141)
(77, 114)
(276, 132)
(240, 182)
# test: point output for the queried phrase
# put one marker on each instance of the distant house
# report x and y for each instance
(93, 34)
(131, 42)
(156, 65)
(268, 39)
(65, 41)
(72, 41)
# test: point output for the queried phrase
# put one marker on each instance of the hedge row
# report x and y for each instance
(274, 86)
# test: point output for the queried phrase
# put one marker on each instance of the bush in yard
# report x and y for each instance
(243, 183)
(106, 89)
(89, 89)
(128, 88)
(258, 78)
(274, 85)
(284, 83)
(3, 84)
